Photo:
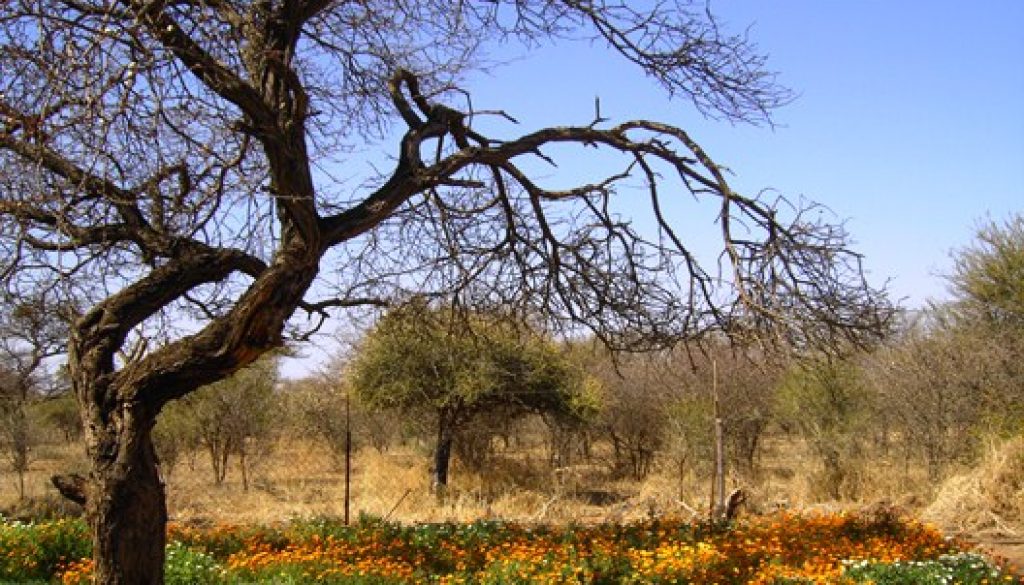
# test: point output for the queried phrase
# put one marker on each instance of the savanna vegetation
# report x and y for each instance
(187, 180)
(541, 433)
(173, 213)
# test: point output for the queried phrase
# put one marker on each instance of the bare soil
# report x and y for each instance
(1007, 552)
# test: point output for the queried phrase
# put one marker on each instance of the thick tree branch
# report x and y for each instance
(215, 75)
(134, 227)
(252, 327)
(138, 189)
(71, 486)
(101, 332)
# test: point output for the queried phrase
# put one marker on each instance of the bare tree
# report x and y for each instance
(635, 408)
(953, 375)
(30, 333)
(946, 387)
(235, 416)
(828, 402)
(169, 167)
(746, 388)
(662, 403)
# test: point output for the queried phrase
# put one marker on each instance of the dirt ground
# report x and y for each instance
(1012, 551)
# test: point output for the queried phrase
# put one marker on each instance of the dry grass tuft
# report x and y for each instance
(988, 500)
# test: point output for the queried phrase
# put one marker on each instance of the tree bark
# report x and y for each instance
(127, 513)
(241, 466)
(442, 453)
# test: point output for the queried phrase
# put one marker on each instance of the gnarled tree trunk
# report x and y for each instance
(123, 495)
(177, 163)
(128, 516)
(123, 499)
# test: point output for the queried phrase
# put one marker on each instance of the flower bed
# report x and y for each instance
(777, 549)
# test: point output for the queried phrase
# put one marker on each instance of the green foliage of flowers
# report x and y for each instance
(304, 575)
(38, 551)
(187, 566)
(223, 541)
(960, 568)
(782, 549)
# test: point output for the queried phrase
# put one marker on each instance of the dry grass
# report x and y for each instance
(47, 460)
(300, 479)
(987, 501)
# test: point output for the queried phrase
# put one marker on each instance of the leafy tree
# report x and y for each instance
(17, 437)
(168, 168)
(988, 276)
(61, 413)
(175, 437)
(988, 319)
(690, 435)
(422, 360)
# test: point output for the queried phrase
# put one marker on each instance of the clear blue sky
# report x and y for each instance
(909, 121)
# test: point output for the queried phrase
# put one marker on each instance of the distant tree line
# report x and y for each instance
(947, 380)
